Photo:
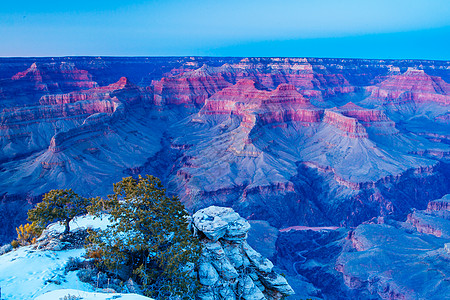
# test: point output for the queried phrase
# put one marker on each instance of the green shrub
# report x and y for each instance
(147, 240)
(73, 264)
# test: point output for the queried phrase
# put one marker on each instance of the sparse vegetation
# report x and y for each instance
(58, 205)
(73, 264)
(148, 241)
(27, 234)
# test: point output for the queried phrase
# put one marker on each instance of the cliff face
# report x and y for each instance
(275, 138)
(26, 87)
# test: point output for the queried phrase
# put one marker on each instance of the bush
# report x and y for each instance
(58, 205)
(87, 275)
(15, 244)
(148, 238)
(73, 264)
(28, 233)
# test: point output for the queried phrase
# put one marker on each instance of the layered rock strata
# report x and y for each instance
(228, 267)
(412, 91)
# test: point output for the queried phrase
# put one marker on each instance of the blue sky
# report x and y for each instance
(317, 28)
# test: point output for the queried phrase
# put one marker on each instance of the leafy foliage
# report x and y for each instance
(58, 205)
(27, 234)
(148, 239)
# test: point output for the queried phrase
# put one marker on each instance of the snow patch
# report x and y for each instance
(76, 294)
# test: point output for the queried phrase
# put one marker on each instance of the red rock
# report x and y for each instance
(70, 109)
(122, 87)
(287, 104)
(348, 126)
(190, 88)
(9, 118)
(367, 117)
(52, 77)
(422, 224)
(244, 99)
(413, 86)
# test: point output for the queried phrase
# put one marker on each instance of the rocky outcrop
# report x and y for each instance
(49, 76)
(56, 241)
(434, 220)
(29, 128)
(442, 204)
(347, 126)
(383, 253)
(228, 267)
(284, 104)
(367, 116)
(123, 87)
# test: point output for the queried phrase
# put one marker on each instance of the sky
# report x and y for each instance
(297, 28)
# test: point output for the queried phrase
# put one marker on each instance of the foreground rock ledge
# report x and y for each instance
(228, 267)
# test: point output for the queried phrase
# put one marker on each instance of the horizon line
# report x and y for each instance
(214, 56)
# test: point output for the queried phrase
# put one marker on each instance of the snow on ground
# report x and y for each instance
(60, 294)
(26, 273)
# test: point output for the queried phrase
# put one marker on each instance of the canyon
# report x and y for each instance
(360, 146)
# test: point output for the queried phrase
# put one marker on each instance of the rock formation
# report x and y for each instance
(384, 252)
(411, 92)
(434, 220)
(228, 267)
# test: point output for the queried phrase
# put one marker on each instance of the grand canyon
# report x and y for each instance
(342, 166)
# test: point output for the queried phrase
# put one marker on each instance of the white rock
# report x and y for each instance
(5, 249)
(261, 263)
(249, 291)
(277, 282)
(221, 222)
(207, 274)
(234, 254)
